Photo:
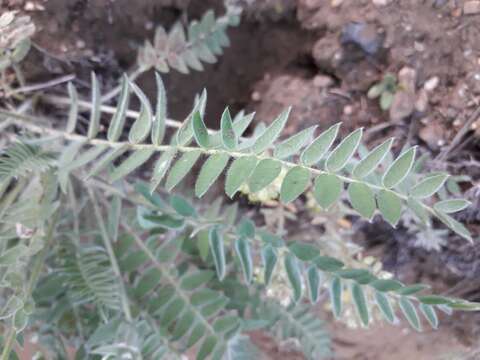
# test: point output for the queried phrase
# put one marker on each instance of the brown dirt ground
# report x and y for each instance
(289, 52)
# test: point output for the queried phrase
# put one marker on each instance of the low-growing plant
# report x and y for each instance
(96, 258)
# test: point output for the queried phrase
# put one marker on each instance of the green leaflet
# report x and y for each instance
(107, 159)
(182, 206)
(428, 186)
(269, 258)
(317, 149)
(433, 299)
(12, 255)
(86, 157)
(410, 313)
(368, 164)
(360, 302)
(118, 119)
(242, 248)
(362, 199)
(454, 225)
(384, 285)
(73, 112)
(194, 280)
(200, 131)
(304, 251)
(327, 263)
(136, 159)
(313, 282)
(399, 169)
(143, 124)
(294, 184)
(207, 347)
(339, 157)
(229, 138)
(264, 174)
(181, 168)
(271, 133)
(113, 220)
(246, 228)
(158, 130)
(294, 277)
(94, 123)
(429, 313)
(241, 122)
(327, 190)
(412, 289)
(218, 251)
(293, 144)
(385, 307)
(335, 291)
(185, 133)
(239, 171)
(210, 171)
(451, 206)
(390, 206)
(161, 167)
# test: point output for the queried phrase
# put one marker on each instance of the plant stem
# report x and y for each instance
(111, 254)
(28, 122)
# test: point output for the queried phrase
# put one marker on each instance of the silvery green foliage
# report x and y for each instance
(162, 280)
(187, 48)
(375, 182)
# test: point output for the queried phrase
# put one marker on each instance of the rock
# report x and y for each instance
(326, 53)
(336, 3)
(407, 78)
(421, 103)
(363, 35)
(322, 81)
(431, 83)
(471, 7)
(402, 106)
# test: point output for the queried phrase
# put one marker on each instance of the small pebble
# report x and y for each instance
(431, 84)
(381, 2)
(348, 110)
(322, 81)
(256, 96)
